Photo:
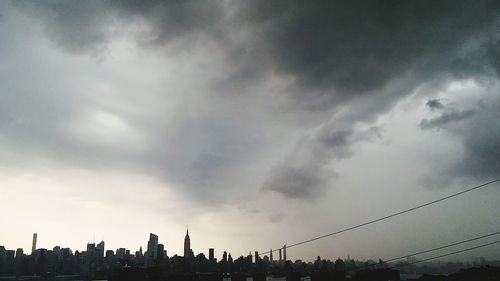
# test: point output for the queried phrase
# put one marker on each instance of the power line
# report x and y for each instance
(449, 254)
(437, 257)
(444, 247)
(389, 216)
(440, 256)
(438, 248)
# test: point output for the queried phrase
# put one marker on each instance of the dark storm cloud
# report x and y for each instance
(358, 58)
(305, 174)
(334, 50)
(79, 27)
(480, 136)
(88, 26)
(174, 18)
(351, 47)
(307, 182)
(476, 128)
(482, 150)
(445, 118)
(339, 48)
(435, 104)
(357, 47)
(343, 53)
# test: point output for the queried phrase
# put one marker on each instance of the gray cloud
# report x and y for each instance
(476, 129)
(445, 119)
(369, 64)
(276, 218)
(434, 104)
(327, 50)
(329, 46)
(481, 141)
(343, 61)
(331, 54)
(307, 182)
(173, 19)
(83, 27)
(88, 27)
(307, 172)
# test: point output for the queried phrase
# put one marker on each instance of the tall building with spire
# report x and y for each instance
(187, 245)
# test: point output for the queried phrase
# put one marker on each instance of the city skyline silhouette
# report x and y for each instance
(339, 129)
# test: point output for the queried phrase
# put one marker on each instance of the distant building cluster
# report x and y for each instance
(154, 264)
(96, 261)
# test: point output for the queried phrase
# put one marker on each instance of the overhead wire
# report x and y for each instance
(442, 247)
(436, 248)
(388, 216)
(434, 257)
(449, 254)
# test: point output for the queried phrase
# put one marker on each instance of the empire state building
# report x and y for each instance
(187, 246)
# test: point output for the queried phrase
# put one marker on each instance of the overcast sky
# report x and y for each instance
(256, 123)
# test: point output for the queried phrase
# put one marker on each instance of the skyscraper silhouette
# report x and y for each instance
(211, 255)
(153, 245)
(151, 254)
(100, 249)
(187, 245)
(224, 256)
(33, 245)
